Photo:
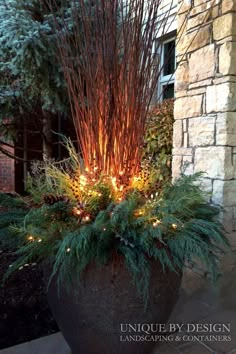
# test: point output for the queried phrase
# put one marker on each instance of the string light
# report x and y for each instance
(31, 238)
(156, 223)
(104, 229)
(77, 211)
(174, 226)
(86, 218)
(39, 240)
(68, 250)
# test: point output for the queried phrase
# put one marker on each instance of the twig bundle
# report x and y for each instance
(110, 67)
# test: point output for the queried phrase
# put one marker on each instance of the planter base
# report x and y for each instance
(90, 317)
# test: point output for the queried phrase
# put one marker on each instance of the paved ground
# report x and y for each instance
(202, 304)
(198, 303)
(53, 344)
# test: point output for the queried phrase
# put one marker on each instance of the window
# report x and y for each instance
(168, 65)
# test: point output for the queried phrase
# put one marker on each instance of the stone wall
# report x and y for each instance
(205, 106)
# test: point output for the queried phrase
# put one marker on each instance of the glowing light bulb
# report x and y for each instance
(104, 229)
(77, 211)
(68, 250)
(39, 240)
(156, 223)
(121, 173)
(87, 218)
(31, 238)
(174, 226)
(99, 194)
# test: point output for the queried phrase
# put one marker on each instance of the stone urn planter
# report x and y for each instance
(95, 315)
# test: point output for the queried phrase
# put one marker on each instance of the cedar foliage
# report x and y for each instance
(176, 227)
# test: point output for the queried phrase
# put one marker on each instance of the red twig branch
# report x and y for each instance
(111, 72)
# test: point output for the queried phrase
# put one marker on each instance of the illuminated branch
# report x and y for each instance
(111, 72)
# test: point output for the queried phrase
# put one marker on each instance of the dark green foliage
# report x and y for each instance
(31, 78)
(12, 213)
(11, 201)
(158, 140)
(186, 231)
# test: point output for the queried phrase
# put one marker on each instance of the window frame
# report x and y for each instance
(165, 79)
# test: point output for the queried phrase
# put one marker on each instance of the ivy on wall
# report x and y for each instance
(159, 139)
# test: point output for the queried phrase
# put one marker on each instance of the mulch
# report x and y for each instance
(24, 311)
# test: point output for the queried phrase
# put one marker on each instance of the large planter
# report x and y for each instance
(91, 314)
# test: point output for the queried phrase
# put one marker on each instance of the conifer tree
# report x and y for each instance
(32, 88)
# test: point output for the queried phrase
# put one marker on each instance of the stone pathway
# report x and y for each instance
(200, 303)
(53, 344)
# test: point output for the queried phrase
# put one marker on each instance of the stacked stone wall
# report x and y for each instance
(205, 106)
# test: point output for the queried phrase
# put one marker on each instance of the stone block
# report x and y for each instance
(188, 165)
(176, 166)
(182, 151)
(201, 131)
(227, 58)
(198, 8)
(226, 128)
(228, 6)
(184, 5)
(185, 125)
(207, 186)
(216, 161)
(196, 20)
(228, 221)
(182, 76)
(178, 134)
(179, 94)
(196, 91)
(221, 97)
(199, 2)
(202, 63)
(224, 193)
(194, 40)
(224, 26)
(199, 84)
(190, 106)
(186, 140)
(223, 79)
(215, 11)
